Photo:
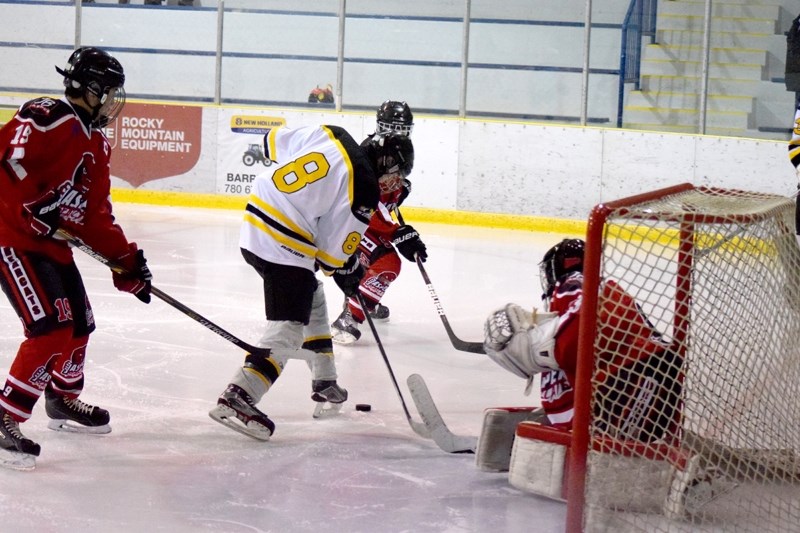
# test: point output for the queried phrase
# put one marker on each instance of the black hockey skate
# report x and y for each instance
(329, 397)
(75, 416)
(235, 409)
(16, 450)
(379, 312)
(344, 329)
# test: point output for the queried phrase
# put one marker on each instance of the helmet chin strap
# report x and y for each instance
(95, 110)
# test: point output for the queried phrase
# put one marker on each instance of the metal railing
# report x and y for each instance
(640, 22)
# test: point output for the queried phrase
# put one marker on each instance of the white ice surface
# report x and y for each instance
(167, 466)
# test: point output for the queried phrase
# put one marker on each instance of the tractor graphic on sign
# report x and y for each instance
(255, 154)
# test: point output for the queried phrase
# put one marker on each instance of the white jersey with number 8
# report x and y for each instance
(316, 204)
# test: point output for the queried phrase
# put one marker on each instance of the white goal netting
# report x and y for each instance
(694, 415)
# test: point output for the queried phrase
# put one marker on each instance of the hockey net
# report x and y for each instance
(717, 416)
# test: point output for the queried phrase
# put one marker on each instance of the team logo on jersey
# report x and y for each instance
(72, 194)
(42, 106)
(375, 284)
(40, 378)
(554, 384)
(71, 370)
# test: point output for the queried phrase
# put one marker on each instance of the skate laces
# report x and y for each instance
(347, 319)
(240, 394)
(247, 399)
(12, 426)
(79, 406)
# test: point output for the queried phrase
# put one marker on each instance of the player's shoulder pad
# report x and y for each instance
(45, 111)
(367, 140)
(365, 183)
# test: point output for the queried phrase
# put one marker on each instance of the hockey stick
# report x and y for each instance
(441, 434)
(419, 428)
(458, 344)
(77, 243)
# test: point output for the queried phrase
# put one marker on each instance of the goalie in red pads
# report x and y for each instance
(640, 377)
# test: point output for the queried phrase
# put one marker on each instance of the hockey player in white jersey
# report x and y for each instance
(309, 214)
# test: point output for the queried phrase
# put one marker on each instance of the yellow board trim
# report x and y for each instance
(6, 114)
(416, 214)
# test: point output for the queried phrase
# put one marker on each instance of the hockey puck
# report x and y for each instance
(363, 407)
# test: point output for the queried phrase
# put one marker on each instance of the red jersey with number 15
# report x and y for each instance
(47, 146)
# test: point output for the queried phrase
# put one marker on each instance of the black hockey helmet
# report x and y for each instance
(95, 71)
(391, 153)
(562, 259)
(394, 116)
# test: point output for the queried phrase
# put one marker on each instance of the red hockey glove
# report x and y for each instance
(136, 278)
(349, 276)
(408, 243)
(43, 213)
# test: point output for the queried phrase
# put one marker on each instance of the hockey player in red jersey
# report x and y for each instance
(384, 238)
(54, 173)
(547, 343)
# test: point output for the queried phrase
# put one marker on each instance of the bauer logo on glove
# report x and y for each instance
(408, 243)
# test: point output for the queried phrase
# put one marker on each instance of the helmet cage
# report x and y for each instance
(383, 128)
(390, 182)
(394, 117)
(110, 107)
(562, 259)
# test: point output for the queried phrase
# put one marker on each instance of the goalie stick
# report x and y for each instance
(458, 344)
(419, 428)
(78, 243)
(441, 434)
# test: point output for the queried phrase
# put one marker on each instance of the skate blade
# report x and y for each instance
(69, 426)
(17, 460)
(326, 409)
(227, 417)
(342, 337)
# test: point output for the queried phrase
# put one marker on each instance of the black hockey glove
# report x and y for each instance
(349, 276)
(408, 243)
(43, 213)
(136, 278)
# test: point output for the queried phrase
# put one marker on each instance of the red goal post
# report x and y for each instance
(716, 273)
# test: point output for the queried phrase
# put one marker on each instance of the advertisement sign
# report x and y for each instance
(152, 142)
(240, 150)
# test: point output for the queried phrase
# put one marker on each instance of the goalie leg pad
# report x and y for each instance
(537, 466)
(497, 436)
(694, 487)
